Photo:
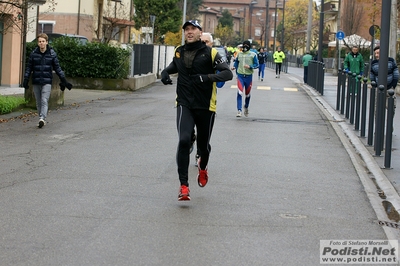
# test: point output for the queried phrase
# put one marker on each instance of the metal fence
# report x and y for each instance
(316, 75)
(150, 58)
(367, 111)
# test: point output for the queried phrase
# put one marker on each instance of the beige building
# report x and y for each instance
(98, 20)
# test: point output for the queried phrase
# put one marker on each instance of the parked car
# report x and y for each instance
(82, 39)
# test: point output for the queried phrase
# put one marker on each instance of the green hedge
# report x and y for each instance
(93, 60)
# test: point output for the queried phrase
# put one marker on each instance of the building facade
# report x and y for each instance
(251, 19)
(98, 20)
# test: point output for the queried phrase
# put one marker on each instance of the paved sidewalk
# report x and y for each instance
(393, 173)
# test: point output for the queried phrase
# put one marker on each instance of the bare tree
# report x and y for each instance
(113, 23)
(351, 19)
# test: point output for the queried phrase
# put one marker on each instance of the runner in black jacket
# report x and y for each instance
(196, 99)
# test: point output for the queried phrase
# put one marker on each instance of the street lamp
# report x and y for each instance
(251, 17)
(152, 20)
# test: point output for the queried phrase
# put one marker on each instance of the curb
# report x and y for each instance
(377, 186)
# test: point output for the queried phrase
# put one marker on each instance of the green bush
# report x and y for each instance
(10, 103)
(93, 60)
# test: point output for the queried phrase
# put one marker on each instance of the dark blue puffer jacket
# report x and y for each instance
(42, 66)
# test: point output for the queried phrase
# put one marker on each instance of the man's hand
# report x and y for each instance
(201, 78)
(166, 81)
(25, 84)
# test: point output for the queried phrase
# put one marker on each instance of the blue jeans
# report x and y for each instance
(42, 95)
(261, 69)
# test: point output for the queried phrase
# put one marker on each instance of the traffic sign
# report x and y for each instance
(340, 35)
(373, 30)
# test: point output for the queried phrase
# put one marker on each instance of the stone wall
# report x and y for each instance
(57, 96)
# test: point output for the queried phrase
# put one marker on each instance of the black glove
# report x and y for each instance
(63, 85)
(201, 78)
(64, 80)
(165, 79)
(68, 85)
(25, 84)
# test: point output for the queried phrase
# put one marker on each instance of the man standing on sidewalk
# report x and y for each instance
(354, 62)
(306, 58)
(244, 64)
(196, 99)
(392, 75)
(279, 56)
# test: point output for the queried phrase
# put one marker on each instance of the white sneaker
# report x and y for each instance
(246, 112)
(239, 114)
(41, 123)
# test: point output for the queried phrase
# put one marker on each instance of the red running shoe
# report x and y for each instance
(184, 193)
(202, 177)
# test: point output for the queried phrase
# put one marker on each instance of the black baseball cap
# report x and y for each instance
(192, 22)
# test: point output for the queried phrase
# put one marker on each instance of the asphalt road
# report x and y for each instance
(98, 184)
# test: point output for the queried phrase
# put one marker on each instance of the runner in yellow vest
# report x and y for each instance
(279, 56)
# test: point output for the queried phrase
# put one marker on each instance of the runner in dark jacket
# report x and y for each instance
(196, 99)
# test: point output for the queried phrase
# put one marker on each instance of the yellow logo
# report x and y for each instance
(177, 55)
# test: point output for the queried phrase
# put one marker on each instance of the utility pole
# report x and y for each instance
(276, 14)
(382, 75)
(283, 27)
(267, 32)
(309, 25)
(321, 31)
(337, 61)
(79, 17)
(23, 36)
(393, 31)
